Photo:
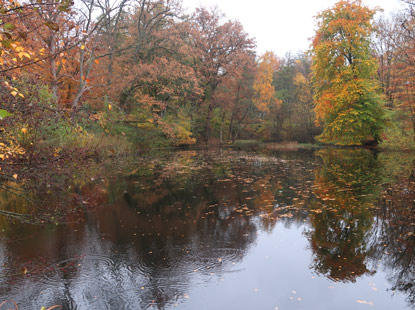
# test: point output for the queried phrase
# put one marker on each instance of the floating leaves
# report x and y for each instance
(4, 114)
(363, 302)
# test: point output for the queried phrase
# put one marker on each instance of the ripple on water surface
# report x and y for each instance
(230, 230)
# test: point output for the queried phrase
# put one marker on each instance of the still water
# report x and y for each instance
(218, 229)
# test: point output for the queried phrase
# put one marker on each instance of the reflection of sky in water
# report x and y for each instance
(273, 272)
(276, 274)
(200, 232)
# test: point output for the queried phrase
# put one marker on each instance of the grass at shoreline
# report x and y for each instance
(289, 145)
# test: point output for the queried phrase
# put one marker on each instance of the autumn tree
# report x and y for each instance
(388, 37)
(303, 116)
(292, 119)
(347, 102)
(235, 111)
(21, 86)
(93, 37)
(154, 38)
(264, 91)
(53, 35)
(403, 65)
(220, 50)
(19, 47)
(243, 112)
(156, 82)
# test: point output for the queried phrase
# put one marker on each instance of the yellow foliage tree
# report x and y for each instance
(264, 97)
(346, 92)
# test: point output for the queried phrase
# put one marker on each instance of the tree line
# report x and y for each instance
(147, 71)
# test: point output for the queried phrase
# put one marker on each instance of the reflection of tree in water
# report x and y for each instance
(204, 213)
(166, 224)
(345, 188)
(193, 224)
(48, 194)
(395, 235)
(158, 231)
(190, 216)
(356, 222)
(159, 251)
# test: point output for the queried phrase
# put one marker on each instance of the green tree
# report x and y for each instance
(347, 102)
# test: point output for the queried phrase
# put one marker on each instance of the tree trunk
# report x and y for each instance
(221, 127)
(53, 69)
(207, 122)
(230, 133)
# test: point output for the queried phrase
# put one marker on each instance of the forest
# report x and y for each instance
(152, 158)
(104, 78)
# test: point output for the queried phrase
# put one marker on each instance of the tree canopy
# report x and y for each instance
(347, 101)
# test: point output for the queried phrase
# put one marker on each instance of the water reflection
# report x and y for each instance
(364, 217)
(395, 233)
(346, 188)
(148, 234)
(187, 216)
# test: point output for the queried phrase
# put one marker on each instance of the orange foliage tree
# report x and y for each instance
(221, 50)
(403, 66)
(346, 97)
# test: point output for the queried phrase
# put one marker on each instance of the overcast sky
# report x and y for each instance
(280, 25)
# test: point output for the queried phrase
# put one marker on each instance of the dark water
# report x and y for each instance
(220, 229)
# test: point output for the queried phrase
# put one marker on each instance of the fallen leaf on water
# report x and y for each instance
(365, 302)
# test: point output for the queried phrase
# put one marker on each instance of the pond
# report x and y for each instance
(215, 229)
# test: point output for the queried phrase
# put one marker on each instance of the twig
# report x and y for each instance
(17, 194)
(11, 301)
